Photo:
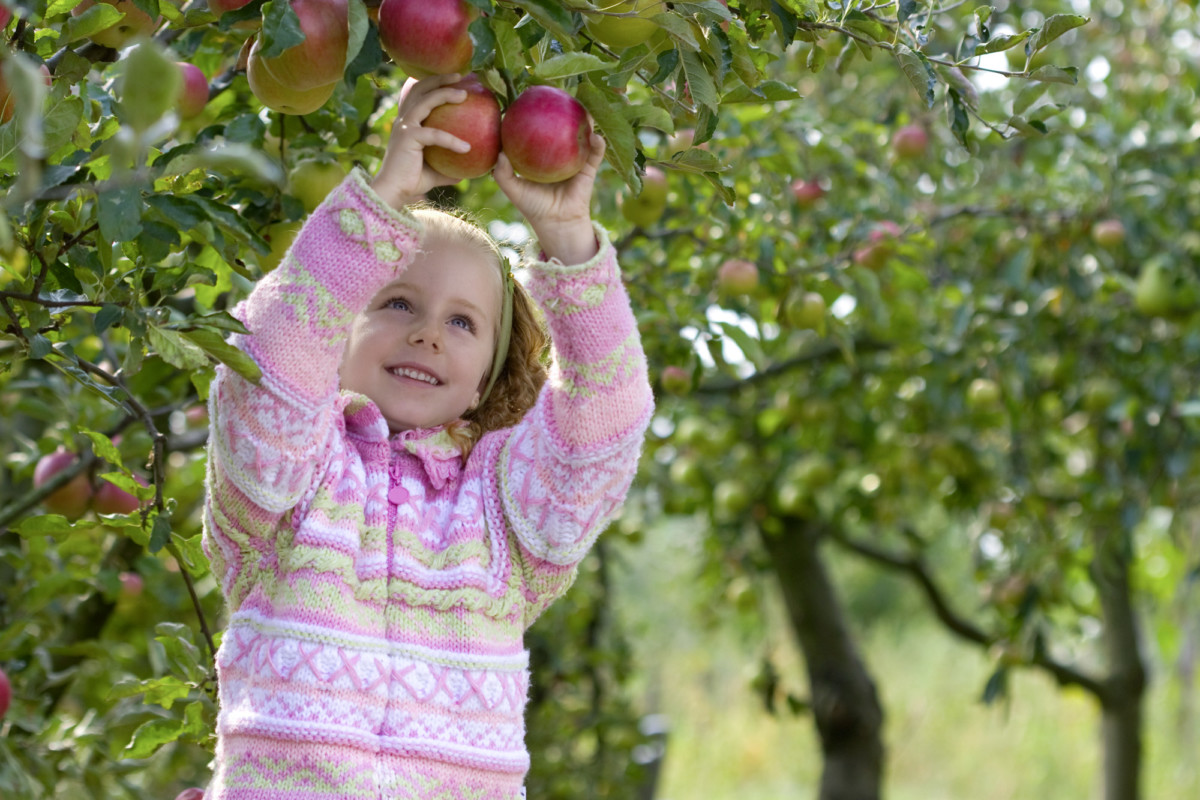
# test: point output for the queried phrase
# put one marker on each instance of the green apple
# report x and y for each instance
(983, 394)
(731, 497)
(910, 142)
(632, 28)
(806, 311)
(280, 236)
(1153, 293)
(310, 180)
(648, 207)
(1108, 233)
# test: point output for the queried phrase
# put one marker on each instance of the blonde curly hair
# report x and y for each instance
(525, 368)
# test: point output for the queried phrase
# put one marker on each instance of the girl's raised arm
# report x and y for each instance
(566, 468)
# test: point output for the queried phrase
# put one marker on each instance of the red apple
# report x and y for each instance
(476, 121)
(70, 500)
(427, 37)
(135, 23)
(5, 693)
(881, 244)
(675, 380)
(320, 59)
(193, 96)
(807, 193)
(221, 7)
(112, 499)
(546, 134)
(910, 141)
(648, 207)
(1108, 232)
(190, 794)
(737, 276)
(620, 32)
(5, 16)
(280, 97)
(131, 584)
(312, 179)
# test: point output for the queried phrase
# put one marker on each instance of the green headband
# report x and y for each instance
(504, 336)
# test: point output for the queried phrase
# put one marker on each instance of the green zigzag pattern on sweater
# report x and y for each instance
(616, 365)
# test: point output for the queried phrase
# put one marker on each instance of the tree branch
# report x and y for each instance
(959, 625)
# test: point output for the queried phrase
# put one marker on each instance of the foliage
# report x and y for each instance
(127, 236)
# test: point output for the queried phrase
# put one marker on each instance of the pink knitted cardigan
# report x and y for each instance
(378, 586)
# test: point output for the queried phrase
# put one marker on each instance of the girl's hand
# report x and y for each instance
(559, 213)
(404, 176)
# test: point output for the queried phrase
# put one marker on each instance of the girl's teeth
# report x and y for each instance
(420, 376)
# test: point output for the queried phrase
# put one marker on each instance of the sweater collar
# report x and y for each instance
(433, 448)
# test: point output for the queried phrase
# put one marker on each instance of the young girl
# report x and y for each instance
(396, 501)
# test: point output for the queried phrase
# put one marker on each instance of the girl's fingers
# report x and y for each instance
(436, 137)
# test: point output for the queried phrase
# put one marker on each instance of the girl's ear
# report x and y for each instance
(475, 403)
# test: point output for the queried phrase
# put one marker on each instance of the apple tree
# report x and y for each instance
(965, 359)
(157, 157)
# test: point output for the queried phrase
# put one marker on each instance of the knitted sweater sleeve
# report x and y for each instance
(270, 441)
(565, 470)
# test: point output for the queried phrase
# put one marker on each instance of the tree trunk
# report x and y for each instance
(1124, 688)
(845, 704)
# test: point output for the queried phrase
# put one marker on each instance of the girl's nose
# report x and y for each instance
(426, 334)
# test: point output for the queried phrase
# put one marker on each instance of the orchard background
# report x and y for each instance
(918, 284)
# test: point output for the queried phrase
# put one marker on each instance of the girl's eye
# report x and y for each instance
(398, 303)
(464, 322)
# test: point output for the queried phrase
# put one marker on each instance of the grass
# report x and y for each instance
(942, 742)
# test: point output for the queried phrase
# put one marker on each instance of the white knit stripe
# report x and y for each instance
(251, 621)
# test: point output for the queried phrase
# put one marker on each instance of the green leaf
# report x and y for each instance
(359, 24)
(699, 82)
(176, 349)
(160, 534)
(568, 64)
(906, 8)
(649, 116)
(152, 735)
(679, 29)
(615, 128)
(960, 118)
(510, 55)
(765, 92)
(1067, 75)
(867, 27)
(43, 525)
(280, 28)
(816, 59)
(551, 15)
(750, 347)
(1055, 27)
(483, 42)
(212, 343)
(149, 85)
(1001, 43)
(982, 15)
(103, 447)
(229, 158)
(1028, 95)
(696, 160)
(120, 213)
(95, 19)
(920, 73)
(668, 61)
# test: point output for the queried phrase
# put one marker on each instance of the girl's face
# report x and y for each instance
(423, 348)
